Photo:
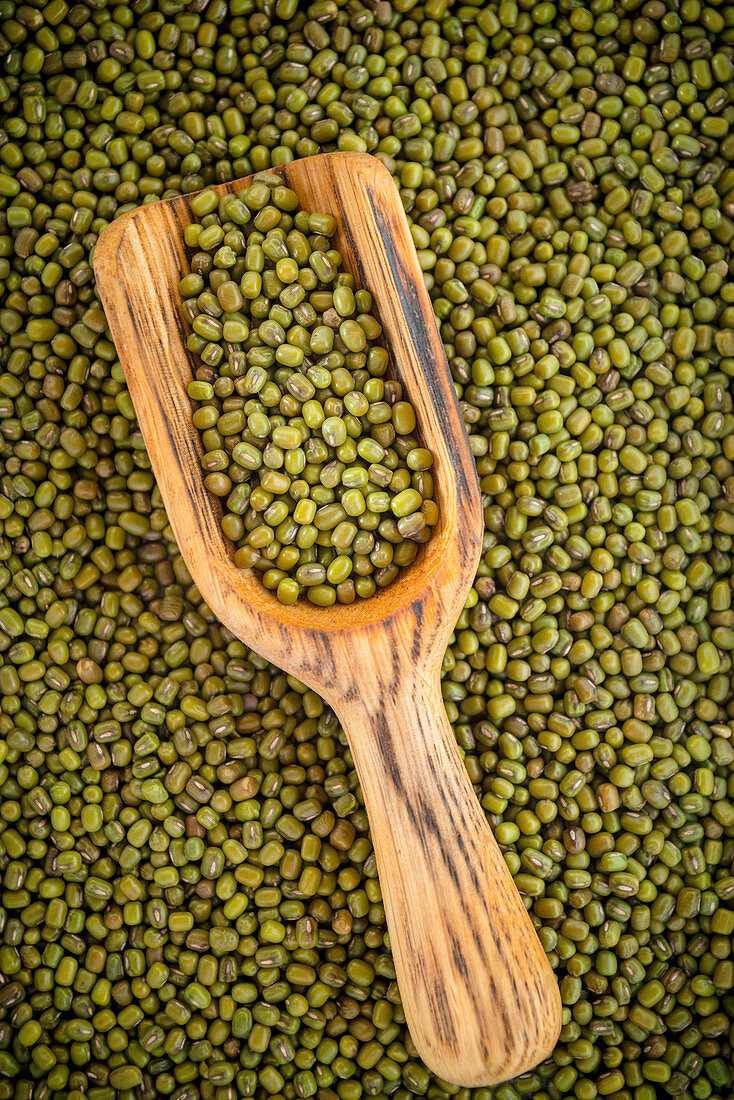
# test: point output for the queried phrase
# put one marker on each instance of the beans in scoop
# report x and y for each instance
(310, 446)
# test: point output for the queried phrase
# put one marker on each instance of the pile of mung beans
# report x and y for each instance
(189, 905)
(324, 486)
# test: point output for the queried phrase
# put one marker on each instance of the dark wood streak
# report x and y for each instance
(415, 649)
(480, 999)
(443, 1015)
(459, 958)
(416, 323)
(388, 757)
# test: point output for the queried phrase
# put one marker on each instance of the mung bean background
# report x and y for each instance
(189, 903)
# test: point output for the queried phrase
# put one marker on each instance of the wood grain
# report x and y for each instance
(480, 998)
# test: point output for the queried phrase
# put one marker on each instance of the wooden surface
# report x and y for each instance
(481, 1001)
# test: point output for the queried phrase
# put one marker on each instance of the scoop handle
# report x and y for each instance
(480, 998)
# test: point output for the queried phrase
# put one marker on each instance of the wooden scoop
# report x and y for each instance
(480, 998)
